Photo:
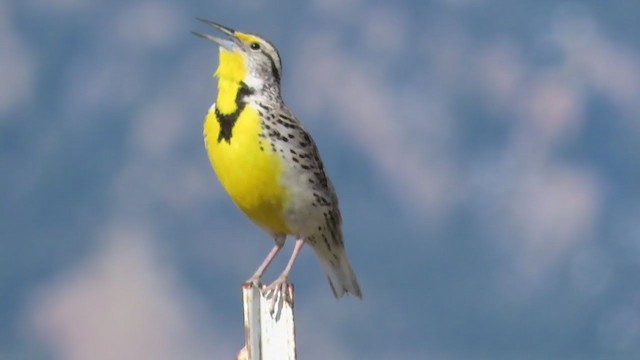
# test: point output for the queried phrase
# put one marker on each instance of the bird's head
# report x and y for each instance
(245, 57)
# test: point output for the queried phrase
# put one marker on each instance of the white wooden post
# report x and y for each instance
(267, 336)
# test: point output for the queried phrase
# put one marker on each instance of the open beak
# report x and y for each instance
(228, 44)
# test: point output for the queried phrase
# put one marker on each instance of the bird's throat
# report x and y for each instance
(231, 73)
(231, 92)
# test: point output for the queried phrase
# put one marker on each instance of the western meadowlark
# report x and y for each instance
(269, 164)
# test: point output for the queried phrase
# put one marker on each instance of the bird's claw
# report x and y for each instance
(277, 292)
(253, 282)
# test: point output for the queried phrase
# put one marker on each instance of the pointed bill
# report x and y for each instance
(214, 25)
(228, 44)
(225, 43)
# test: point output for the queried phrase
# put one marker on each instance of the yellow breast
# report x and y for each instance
(248, 169)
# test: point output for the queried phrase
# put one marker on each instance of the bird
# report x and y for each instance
(269, 164)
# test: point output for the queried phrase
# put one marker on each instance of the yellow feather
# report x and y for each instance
(251, 176)
(230, 73)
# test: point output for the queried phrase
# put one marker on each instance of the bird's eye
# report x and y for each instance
(255, 46)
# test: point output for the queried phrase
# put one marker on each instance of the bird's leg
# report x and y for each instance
(255, 278)
(278, 289)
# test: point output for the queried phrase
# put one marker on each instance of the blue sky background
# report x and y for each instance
(485, 154)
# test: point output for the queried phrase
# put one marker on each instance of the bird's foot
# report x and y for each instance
(277, 292)
(253, 281)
